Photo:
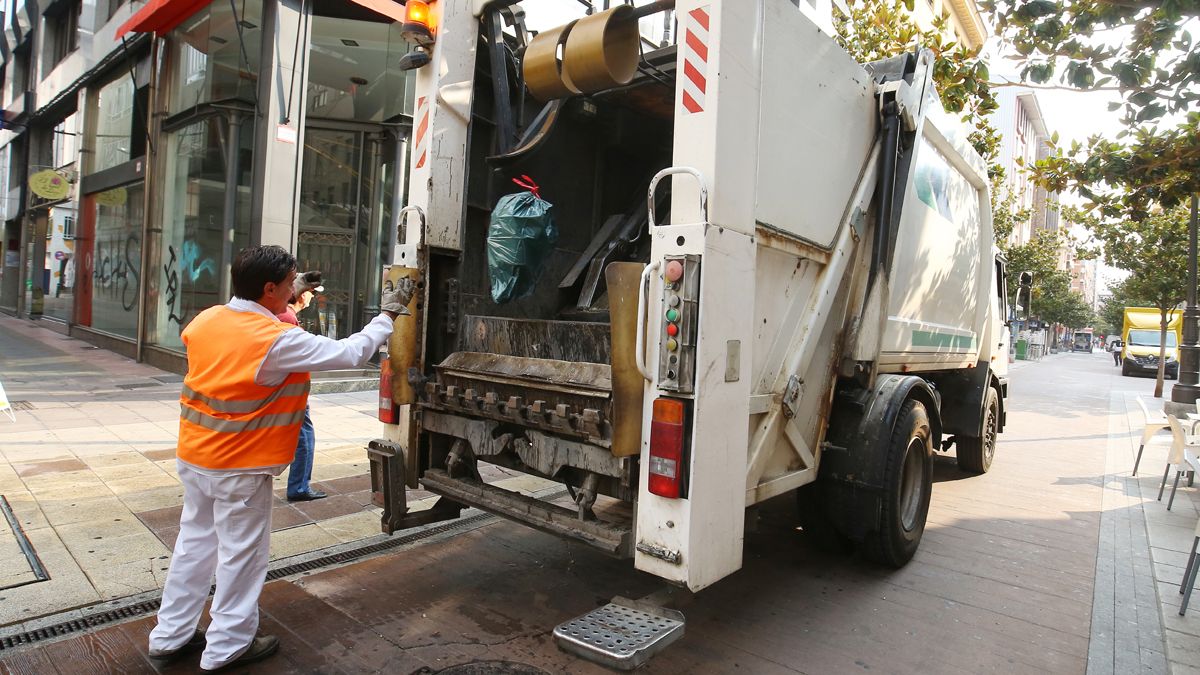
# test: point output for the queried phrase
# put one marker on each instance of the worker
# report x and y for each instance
(300, 472)
(1117, 346)
(242, 404)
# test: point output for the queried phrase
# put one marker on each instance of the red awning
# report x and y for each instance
(162, 16)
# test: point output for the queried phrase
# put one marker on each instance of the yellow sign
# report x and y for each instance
(49, 184)
(113, 197)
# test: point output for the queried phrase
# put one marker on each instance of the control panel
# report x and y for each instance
(679, 319)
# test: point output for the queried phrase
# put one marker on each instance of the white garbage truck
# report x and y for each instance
(774, 272)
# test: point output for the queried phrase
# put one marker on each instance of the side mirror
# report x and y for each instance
(1024, 296)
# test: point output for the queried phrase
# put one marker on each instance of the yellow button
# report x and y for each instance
(672, 345)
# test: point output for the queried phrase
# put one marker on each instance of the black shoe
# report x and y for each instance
(307, 496)
(162, 658)
(259, 649)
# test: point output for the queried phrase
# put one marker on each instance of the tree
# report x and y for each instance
(1112, 308)
(1154, 251)
(1040, 257)
(1139, 48)
(879, 29)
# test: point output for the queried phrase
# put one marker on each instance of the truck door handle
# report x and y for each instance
(643, 292)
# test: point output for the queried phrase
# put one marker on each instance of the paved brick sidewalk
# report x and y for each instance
(88, 469)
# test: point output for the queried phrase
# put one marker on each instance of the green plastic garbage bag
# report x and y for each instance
(520, 237)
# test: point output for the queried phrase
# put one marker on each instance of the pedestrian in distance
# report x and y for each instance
(1117, 345)
(300, 472)
(242, 405)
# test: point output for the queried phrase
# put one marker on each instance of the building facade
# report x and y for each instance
(144, 144)
(1024, 139)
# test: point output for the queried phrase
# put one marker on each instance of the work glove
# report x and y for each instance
(396, 298)
(306, 281)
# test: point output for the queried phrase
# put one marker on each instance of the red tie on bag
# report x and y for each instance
(527, 183)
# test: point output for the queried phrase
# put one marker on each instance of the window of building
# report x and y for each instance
(113, 6)
(62, 32)
(190, 251)
(116, 111)
(64, 142)
(113, 269)
(352, 73)
(213, 57)
(20, 70)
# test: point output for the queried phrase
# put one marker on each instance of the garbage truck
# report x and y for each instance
(773, 272)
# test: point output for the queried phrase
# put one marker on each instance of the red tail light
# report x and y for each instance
(388, 413)
(666, 448)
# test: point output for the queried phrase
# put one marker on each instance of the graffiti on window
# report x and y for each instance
(186, 266)
(116, 271)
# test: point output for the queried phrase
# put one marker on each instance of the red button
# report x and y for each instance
(672, 330)
(674, 270)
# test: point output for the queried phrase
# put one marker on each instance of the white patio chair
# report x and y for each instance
(1182, 458)
(1154, 422)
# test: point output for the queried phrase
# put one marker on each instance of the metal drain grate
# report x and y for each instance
(21, 405)
(617, 636)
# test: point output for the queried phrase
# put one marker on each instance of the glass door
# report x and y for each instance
(330, 188)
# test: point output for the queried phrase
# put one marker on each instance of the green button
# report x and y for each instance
(672, 315)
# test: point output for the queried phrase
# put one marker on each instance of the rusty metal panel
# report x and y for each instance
(558, 340)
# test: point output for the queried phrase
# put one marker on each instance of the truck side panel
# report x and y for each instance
(940, 286)
(812, 156)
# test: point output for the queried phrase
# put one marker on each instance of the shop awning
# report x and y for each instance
(162, 16)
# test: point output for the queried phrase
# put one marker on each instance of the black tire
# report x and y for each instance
(815, 525)
(975, 454)
(1124, 370)
(908, 485)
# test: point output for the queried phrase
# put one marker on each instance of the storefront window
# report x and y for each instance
(114, 124)
(352, 73)
(214, 57)
(116, 259)
(58, 273)
(189, 249)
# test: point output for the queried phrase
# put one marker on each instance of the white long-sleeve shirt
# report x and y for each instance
(299, 351)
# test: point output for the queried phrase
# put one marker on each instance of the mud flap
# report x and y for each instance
(389, 492)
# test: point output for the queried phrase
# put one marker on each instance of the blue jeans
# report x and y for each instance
(301, 471)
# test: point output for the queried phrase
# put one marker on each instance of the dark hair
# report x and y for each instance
(255, 267)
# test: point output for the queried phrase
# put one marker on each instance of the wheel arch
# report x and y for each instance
(853, 462)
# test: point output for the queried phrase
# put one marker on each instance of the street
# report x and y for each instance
(1055, 561)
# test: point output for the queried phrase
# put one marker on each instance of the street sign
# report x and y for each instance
(58, 255)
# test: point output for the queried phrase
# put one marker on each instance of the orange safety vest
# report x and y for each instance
(227, 421)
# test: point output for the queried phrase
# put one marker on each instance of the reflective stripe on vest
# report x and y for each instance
(295, 389)
(227, 420)
(232, 426)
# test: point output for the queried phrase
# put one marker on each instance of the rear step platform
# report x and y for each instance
(615, 539)
(620, 636)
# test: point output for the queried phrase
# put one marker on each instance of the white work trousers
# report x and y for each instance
(225, 527)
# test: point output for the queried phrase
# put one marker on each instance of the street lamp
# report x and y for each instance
(1187, 388)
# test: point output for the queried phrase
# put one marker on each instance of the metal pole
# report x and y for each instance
(1186, 390)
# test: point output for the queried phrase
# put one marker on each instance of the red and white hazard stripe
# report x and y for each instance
(421, 133)
(695, 59)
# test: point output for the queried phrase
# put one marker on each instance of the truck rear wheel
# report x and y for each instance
(975, 454)
(908, 485)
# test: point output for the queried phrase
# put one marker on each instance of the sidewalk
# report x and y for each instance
(88, 469)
